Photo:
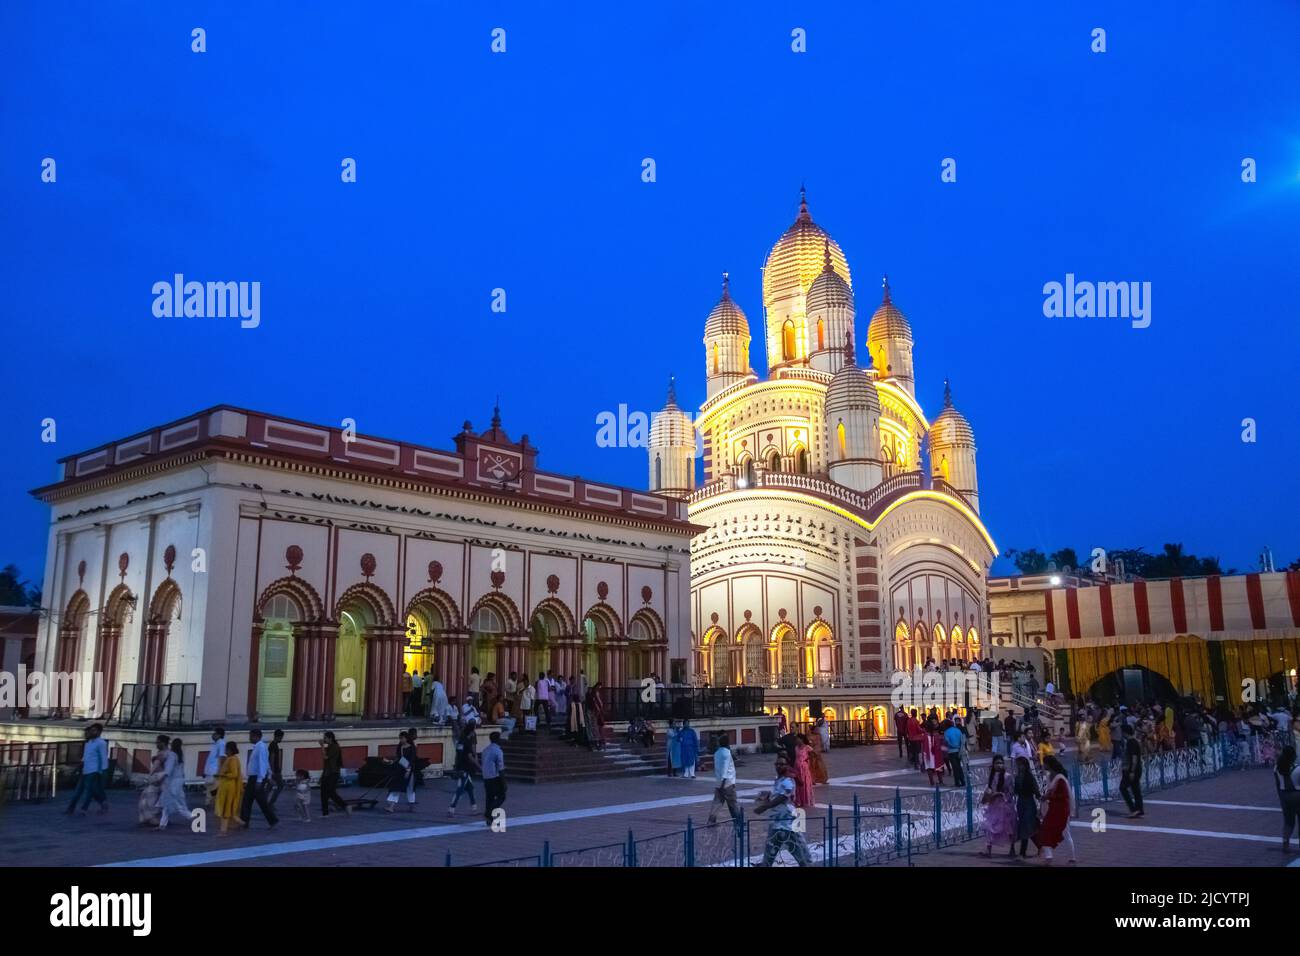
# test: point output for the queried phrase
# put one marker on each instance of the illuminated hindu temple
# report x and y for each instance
(843, 533)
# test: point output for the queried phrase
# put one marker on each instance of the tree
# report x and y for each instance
(1065, 558)
(1029, 561)
(13, 590)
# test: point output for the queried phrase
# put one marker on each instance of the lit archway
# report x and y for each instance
(820, 651)
(788, 657)
(754, 655)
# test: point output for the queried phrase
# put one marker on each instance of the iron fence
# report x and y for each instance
(689, 703)
(845, 733)
(869, 833)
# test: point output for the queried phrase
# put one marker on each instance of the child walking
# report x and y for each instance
(302, 795)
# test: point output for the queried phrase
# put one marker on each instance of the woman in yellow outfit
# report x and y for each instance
(230, 788)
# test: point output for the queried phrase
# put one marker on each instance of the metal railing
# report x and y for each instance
(846, 733)
(882, 831)
(156, 706)
(626, 703)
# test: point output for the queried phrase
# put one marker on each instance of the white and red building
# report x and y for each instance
(293, 571)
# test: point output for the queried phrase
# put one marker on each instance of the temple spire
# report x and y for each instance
(885, 283)
(947, 394)
(496, 415)
(803, 204)
(672, 380)
(827, 265)
(726, 285)
(848, 349)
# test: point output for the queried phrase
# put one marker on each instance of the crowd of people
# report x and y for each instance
(518, 703)
(936, 742)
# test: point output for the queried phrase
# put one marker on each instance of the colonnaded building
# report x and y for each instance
(292, 571)
(842, 536)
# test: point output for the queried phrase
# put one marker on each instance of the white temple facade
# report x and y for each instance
(843, 533)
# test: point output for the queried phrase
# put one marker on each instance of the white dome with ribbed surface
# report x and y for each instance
(887, 322)
(950, 428)
(829, 288)
(797, 258)
(851, 387)
(727, 318)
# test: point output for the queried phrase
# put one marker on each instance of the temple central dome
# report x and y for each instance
(798, 257)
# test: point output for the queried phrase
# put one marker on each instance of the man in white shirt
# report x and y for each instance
(94, 761)
(543, 698)
(1021, 748)
(724, 774)
(213, 763)
(258, 771)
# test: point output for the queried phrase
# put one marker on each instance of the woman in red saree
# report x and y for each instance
(1055, 826)
(933, 756)
(802, 773)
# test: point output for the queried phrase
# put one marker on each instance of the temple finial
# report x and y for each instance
(672, 387)
(803, 203)
(947, 394)
(726, 285)
(848, 349)
(496, 414)
(885, 283)
(827, 265)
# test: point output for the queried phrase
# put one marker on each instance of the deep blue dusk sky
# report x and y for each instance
(522, 171)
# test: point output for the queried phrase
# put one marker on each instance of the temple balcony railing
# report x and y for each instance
(820, 680)
(819, 486)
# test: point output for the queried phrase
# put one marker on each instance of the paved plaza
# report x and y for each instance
(1229, 820)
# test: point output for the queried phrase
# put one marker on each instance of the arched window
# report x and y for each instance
(715, 358)
(787, 341)
(801, 461)
(788, 655)
(841, 440)
(487, 628)
(821, 335)
(747, 472)
(659, 473)
(774, 461)
(487, 621)
(755, 655)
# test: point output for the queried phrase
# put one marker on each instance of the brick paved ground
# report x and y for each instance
(590, 813)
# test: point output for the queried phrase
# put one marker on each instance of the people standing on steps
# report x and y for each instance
(674, 748)
(689, 741)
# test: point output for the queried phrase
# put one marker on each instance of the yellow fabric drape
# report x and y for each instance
(1185, 662)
